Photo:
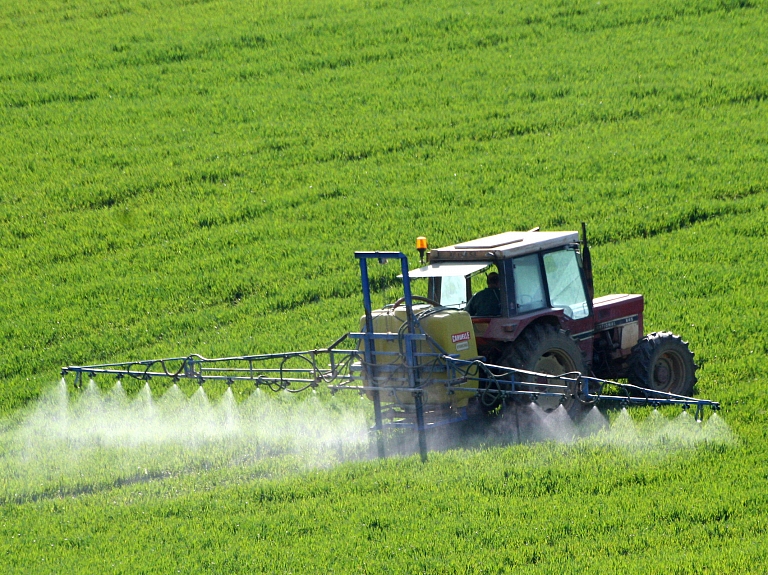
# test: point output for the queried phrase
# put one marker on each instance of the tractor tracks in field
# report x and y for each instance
(754, 199)
(77, 491)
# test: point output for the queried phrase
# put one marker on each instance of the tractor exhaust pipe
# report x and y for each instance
(586, 258)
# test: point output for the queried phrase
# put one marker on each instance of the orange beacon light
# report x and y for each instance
(421, 246)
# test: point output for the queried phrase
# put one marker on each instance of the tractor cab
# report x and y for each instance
(540, 274)
(519, 258)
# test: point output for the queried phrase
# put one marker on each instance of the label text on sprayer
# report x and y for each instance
(457, 337)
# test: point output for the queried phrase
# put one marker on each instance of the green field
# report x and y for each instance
(194, 176)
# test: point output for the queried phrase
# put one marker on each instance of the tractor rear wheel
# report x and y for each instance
(662, 361)
(545, 348)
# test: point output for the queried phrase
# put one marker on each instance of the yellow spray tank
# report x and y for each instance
(448, 331)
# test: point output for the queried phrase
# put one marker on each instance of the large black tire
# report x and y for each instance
(546, 349)
(662, 361)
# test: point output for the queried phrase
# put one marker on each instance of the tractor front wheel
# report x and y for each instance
(662, 361)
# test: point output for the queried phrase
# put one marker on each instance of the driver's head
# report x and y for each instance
(493, 280)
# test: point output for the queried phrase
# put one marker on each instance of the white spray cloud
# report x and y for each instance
(96, 440)
(529, 422)
(114, 420)
(71, 444)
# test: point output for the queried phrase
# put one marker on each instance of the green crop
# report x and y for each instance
(194, 176)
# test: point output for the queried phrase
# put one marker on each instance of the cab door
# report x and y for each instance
(566, 290)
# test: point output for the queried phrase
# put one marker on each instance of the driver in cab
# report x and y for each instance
(487, 302)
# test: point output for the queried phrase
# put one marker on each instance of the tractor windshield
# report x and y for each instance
(566, 288)
(453, 290)
(448, 281)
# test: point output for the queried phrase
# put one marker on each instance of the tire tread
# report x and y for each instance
(644, 352)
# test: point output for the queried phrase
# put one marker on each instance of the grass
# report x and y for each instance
(520, 508)
(194, 176)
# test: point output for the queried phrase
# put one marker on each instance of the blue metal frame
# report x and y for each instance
(369, 337)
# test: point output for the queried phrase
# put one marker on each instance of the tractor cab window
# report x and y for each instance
(529, 287)
(450, 283)
(566, 287)
(453, 291)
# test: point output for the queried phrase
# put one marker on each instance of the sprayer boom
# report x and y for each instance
(345, 370)
(293, 372)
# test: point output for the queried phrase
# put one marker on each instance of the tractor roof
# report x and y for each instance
(503, 246)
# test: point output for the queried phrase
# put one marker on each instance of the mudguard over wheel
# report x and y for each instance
(545, 349)
(662, 361)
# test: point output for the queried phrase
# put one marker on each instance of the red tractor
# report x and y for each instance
(546, 319)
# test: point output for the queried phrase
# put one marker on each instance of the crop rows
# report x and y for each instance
(183, 176)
